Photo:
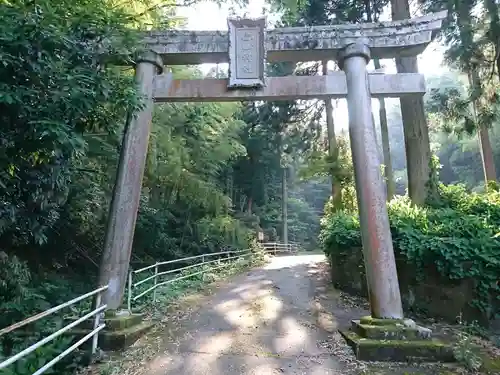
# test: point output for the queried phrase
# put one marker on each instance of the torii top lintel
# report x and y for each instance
(300, 44)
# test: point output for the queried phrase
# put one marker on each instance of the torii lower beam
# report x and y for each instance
(334, 85)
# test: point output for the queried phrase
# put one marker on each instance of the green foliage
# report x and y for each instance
(221, 230)
(22, 296)
(456, 237)
(63, 106)
(464, 350)
(53, 88)
(29, 364)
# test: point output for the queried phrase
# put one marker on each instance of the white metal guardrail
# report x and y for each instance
(98, 326)
(278, 247)
(199, 260)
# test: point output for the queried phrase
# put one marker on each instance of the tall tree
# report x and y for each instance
(332, 146)
(320, 12)
(472, 41)
(373, 10)
(416, 133)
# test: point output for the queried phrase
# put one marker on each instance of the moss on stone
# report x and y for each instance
(380, 322)
(386, 332)
(110, 313)
(490, 365)
(121, 322)
(398, 350)
(397, 331)
(117, 340)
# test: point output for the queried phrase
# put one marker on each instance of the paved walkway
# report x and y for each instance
(261, 323)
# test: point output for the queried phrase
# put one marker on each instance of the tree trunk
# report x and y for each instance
(494, 32)
(284, 207)
(333, 151)
(386, 149)
(416, 133)
(490, 173)
(230, 186)
(471, 67)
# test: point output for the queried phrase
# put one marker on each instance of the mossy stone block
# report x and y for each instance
(117, 323)
(490, 365)
(368, 320)
(121, 339)
(398, 350)
(396, 331)
(110, 313)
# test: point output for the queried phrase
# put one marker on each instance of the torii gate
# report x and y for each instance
(247, 46)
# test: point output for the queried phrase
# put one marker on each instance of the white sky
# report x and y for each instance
(209, 16)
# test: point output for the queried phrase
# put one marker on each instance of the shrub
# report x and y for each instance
(21, 296)
(455, 235)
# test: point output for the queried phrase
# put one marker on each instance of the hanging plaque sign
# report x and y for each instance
(247, 55)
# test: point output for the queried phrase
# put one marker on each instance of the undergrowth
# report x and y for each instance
(20, 299)
(455, 236)
(23, 294)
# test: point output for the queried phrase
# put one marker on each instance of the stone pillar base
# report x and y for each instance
(395, 340)
(122, 331)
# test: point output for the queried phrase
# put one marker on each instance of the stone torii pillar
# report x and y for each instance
(380, 264)
(127, 189)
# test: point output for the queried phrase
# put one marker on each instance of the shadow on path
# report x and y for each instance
(262, 322)
(282, 318)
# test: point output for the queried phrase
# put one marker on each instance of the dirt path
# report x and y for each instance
(262, 322)
(282, 318)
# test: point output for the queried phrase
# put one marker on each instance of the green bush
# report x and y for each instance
(455, 235)
(23, 295)
(60, 92)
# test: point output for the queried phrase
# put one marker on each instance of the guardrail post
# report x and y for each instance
(129, 296)
(155, 282)
(97, 319)
(275, 248)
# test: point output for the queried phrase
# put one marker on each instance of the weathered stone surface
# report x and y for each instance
(398, 350)
(125, 202)
(120, 331)
(118, 323)
(381, 274)
(121, 339)
(284, 88)
(247, 54)
(385, 39)
(397, 331)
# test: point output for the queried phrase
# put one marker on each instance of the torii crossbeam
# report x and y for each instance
(300, 44)
(247, 46)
